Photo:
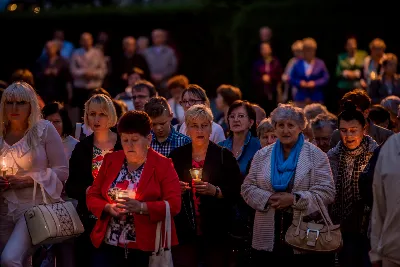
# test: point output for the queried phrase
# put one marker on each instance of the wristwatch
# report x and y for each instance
(217, 190)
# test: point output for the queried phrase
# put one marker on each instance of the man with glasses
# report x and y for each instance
(142, 91)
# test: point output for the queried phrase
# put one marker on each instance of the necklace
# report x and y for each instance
(237, 153)
(197, 158)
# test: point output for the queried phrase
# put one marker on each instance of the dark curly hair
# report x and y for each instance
(350, 113)
(358, 97)
(134, 122)
(54, 108)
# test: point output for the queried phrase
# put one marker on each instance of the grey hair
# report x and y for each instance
(323, 120)
(265, 126)
(391, 103)
(198, 111)
(289, 112)
(313, 110)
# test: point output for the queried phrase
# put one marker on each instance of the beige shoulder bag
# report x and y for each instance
(52, 223)
(160, 256)
(313, 237)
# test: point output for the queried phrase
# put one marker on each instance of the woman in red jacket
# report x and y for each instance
(128, 197)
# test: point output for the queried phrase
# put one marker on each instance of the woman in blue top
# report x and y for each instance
(243, 143)
(242, 140)
(309, 75)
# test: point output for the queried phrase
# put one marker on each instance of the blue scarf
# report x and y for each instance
(283, 170)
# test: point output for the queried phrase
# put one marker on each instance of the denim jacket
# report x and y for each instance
(250, 147)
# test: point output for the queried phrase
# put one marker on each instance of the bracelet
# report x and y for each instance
(141, 208)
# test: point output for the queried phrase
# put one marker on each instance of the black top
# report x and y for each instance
(124, 64)
(80, 172)
(52, 87)
(220, 169)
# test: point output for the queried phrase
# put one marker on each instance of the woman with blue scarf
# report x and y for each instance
(284, 179)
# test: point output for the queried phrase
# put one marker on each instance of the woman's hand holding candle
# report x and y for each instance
(130, 205)
(184, 186)
(204, 188)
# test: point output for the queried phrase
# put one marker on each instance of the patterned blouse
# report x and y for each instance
(121, 232)
(98, 156)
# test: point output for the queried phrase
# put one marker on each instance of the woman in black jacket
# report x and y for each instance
(205, 217)
(85, 163)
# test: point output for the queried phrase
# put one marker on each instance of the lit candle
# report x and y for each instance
(122, 193)
(4, 167)
(196, 172)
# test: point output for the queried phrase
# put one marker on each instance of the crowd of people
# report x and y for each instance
(132, 125)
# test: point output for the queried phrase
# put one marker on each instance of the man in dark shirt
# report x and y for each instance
(125, 64)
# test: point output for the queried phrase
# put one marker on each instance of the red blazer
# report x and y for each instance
(158, 182)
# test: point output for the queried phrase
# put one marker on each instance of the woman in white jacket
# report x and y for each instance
(283, 181)
(30, 149)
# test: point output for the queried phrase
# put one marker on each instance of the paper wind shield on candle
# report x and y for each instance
(126, 193)
(197, 174)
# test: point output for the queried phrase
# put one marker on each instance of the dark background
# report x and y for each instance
(217, 42)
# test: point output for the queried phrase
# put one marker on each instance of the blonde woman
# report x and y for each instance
(203, 223)
(86, 159)
(309, 75)
(30, 147)
(297, 50)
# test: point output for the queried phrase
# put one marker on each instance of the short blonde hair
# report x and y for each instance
(265, 127)
(378, 43)
(106, 106)
(21, 91)
(310, 42)
(198, 111)
(298, 45)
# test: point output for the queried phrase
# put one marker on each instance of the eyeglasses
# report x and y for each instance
(239, 116)
(191, 102)
(141, 97)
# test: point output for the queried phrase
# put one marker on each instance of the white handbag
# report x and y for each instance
(160, 256)
(52, 223)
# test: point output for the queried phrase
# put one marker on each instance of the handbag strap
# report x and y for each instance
(167, 230)
(159, 243)
(158, 238)
(325, 217)
(34, 193)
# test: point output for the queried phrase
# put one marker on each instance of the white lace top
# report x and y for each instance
(45, 162)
